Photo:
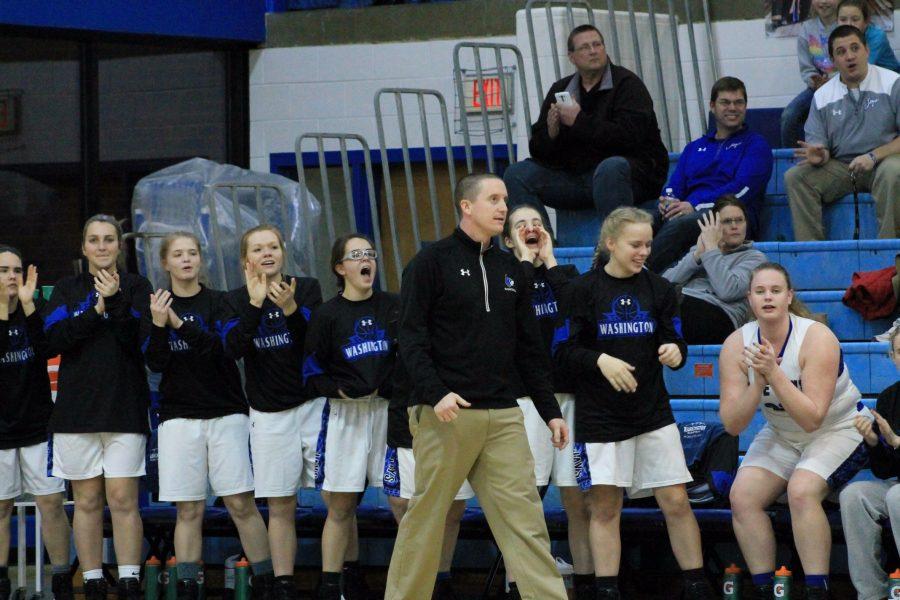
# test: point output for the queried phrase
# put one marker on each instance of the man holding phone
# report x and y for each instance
(596, 142)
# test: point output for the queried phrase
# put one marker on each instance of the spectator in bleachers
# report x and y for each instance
(715, 273)
(815, 68)
(791, 368)
(601, 150)
(853, 133)
(865, 505)
(858, 13)
(25, 407)
(729, 159)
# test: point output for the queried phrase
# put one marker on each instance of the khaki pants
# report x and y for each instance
(809, 187)
(491, 449)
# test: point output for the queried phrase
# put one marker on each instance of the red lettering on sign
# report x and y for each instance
(703, 370)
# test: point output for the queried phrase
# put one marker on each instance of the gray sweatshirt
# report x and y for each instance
(812, 48)
(720, 279)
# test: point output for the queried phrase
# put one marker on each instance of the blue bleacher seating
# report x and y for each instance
(580, 227)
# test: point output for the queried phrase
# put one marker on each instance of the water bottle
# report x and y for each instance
(151, 578)
(894, 585)
(668, 199)
(170, 579)
(782, 588)
(229, 585)
(731, 584)
(242, 580)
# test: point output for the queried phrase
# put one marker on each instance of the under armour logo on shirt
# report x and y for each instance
(367, 322)
(836, 112)
(465, 272)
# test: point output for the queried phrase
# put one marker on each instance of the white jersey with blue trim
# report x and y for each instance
(846, 394)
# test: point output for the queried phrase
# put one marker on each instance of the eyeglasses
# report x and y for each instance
(360, 254)
(733, 221)
(588, 47)
(735, 103)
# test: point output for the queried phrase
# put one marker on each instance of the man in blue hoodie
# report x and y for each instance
(729, 159)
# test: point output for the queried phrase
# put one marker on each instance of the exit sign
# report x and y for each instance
(10, 103)
(497, 90)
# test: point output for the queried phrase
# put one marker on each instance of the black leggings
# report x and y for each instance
(703, 323)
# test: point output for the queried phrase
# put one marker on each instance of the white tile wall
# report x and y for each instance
(332, 88)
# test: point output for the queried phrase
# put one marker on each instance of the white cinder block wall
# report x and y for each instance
(332, 88)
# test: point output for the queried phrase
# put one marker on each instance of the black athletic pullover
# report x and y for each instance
(467, 326)
(628, 319)
(198, 380)
(271, 346)
(351, 346)
(102, 380)
(550, 297)
(25, 401)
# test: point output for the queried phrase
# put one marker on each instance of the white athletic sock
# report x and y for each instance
(93, 574)
(129, 571)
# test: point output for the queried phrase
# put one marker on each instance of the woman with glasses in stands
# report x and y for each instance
(792, 369)
(715, 273)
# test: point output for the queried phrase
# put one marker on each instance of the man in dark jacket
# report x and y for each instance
(601, 149)
(467, 334)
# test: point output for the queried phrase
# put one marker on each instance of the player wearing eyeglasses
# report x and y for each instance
(351, 348)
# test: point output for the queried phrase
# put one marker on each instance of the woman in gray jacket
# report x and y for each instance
(715, 273)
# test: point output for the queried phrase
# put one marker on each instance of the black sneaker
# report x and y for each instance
(62, 587)
(5, 589)
(817, 594)
(513, 594)
(329, 591)
(95, 589)
(763, 592)
(187, 589)
(354, 585)
(284, 588)
(129, 588)
(261, 586)
(443, 590)
(607, 594)
(698, 590)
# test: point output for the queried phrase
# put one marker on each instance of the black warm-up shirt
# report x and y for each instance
(885, 461)
(25, 401)
(198, 380)
(102, 381)
(550, 295)
(351, 346)
(628, 319)
(271, 346)
(616, 119)
(467, 326)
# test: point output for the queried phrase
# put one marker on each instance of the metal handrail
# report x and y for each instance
(570, 6)
(419, 94)
(505, 104)
(327, 205)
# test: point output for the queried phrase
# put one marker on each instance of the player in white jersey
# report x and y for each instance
(792, 369)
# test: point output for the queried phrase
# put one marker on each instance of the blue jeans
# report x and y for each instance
(605, 188)
(793, 118)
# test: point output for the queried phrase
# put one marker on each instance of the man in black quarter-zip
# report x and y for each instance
(467, 330)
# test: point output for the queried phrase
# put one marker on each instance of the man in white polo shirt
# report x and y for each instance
(853, 131)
